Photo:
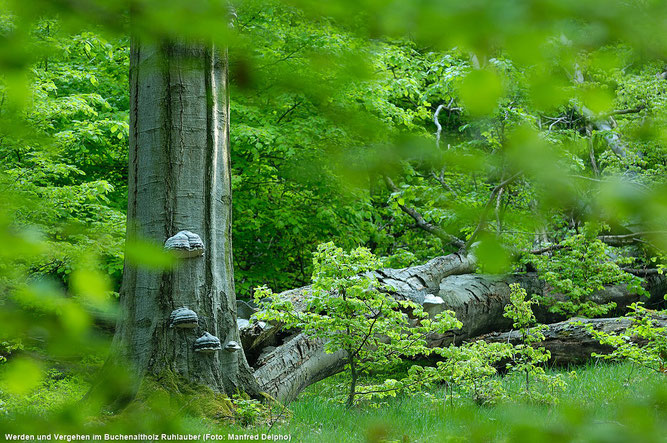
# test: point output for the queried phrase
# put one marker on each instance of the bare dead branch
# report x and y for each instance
(611, 240)
(487, 207)
(447, 107)
(546, 249)
(441, 179)
(642, 272)
(624, 111)
(437, 231)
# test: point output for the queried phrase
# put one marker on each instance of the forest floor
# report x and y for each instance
(602, 402)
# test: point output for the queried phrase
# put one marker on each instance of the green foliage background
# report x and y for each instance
(324, 107)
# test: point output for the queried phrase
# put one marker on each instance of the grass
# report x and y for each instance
(599, 404)
(602, 402)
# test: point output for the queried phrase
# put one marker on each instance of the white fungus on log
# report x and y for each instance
(185, 244)
(433, 304)
(207, 344)
(184, 318)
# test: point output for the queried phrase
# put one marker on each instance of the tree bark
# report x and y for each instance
(296, 364)
(179, 179)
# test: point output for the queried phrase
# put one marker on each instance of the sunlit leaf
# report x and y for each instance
(480, 91)
(21, 376)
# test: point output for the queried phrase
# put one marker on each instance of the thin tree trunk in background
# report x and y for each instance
(179, 179)
(353, 382)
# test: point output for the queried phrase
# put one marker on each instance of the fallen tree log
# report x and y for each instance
(295, 365)
(286, 362)
(568, 341)
(478, 300)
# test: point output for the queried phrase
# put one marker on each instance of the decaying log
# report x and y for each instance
(418, 280)
(295, 365)
(478, 300)
(568, 341)
(284, 365)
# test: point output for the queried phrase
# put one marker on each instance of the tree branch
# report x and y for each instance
(546, 249)
(370, 330)
(487, 207)
(423, 224)
(441, 179)
(600, 122)
(611, 240)
(624, 111)
(642, 272)
(627, 239)
(289, 110)
(437, 122)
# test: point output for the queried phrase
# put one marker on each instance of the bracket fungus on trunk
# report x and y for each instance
(184, 318)
(207, 344)
(232, 346)
(185, 244)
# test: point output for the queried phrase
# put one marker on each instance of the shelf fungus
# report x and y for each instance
(433, 304)
(232, 346)
(185, 244)
(184, 318)
(207, 344)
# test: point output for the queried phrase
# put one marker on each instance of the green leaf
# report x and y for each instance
(480, 92)
(149, 255)
(21, 376)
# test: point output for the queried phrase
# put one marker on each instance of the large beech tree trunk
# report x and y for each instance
(286, 364)
(179, 179)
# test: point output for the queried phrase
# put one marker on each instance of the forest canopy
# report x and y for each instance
(327, 103)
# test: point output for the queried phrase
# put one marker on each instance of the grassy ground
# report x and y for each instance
(600, 404)
(603, 402)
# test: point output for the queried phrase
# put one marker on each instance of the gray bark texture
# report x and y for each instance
(295, 365)
(285, 364)
(569, 342)
(179, 179)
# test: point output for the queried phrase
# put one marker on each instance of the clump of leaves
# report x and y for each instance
(643, 343)
(9, 347)
(526, 359)
(351, 310)
(470, 368)
(579, 267)
(248, 411)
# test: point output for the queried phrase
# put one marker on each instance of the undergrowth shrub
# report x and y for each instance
(525, 358)
(577, 268)
(643, 343)
(354, 313)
